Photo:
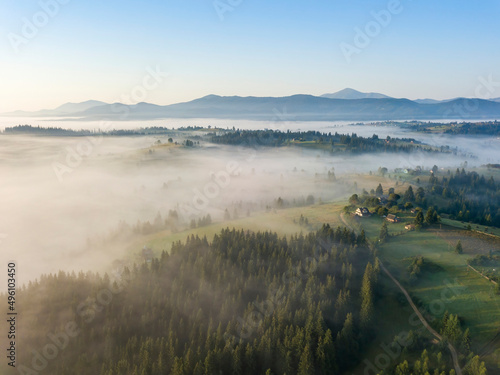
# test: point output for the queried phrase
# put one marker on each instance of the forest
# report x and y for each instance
(60, 132)
(346, 142)
(464, 196)
(469, 197)
(244, 303)
(489, 128)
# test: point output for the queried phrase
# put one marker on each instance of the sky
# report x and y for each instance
(58, 51)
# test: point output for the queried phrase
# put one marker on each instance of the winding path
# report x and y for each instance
(345, 222)
(454, 353)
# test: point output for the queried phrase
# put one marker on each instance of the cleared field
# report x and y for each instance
(452, 288)
(372, 225)
(280, 221)
(475, 227)
(472, 242)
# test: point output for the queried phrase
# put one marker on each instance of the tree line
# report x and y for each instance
(346, 142)
(244, 303)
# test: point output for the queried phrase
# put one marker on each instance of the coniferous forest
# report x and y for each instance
(244, 303)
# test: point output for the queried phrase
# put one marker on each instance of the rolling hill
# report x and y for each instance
(289, 108)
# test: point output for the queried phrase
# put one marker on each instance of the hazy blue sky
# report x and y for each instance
(101, 49)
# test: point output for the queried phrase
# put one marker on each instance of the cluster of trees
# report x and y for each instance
(488, 263)
(202, 222)
(54, 131)
(245, 303)
(349, 142)
(472, 128)
(431, 217)
(392, 202)
(420, 266)
(417, 197)
(376, 198)
(148, 227)
(434, 363)
(415, 268)
(37, 130)
(480, 128)
(295, 202)
(492, 166)
(467, 196)
(303, 221)
(451, 329)
(432, 360)
(485, 260)
(470, 197)
(384, 232)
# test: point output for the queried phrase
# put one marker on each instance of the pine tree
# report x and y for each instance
(384, 232)
(366, 313)
(431, 216)
(419, 220)
(452, 329)
(306, 365)
(362, 237)
(466, 341)
(325, 355)
(403, 368)
(409, 196)
(476, 367)
(346, 343)
(459, 249)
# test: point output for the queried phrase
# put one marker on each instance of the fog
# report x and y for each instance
(60, 211)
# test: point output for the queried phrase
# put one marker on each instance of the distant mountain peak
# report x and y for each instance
(63, 110)
(299, 107)
(349, 93)
(348, 90)
(75, 107)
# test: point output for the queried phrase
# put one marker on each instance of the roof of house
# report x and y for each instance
(391, 216)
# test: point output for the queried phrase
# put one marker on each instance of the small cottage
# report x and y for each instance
(363, 212)
(392, 218)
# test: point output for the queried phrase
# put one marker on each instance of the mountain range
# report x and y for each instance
(347, 104)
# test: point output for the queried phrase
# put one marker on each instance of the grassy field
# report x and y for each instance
(473, 243)
(475, 227)
(452, 287)
(393, 319)
(473, 297)
(280, 221)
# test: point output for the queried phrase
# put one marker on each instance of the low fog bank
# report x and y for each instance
(483, 148)
(58, 210)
